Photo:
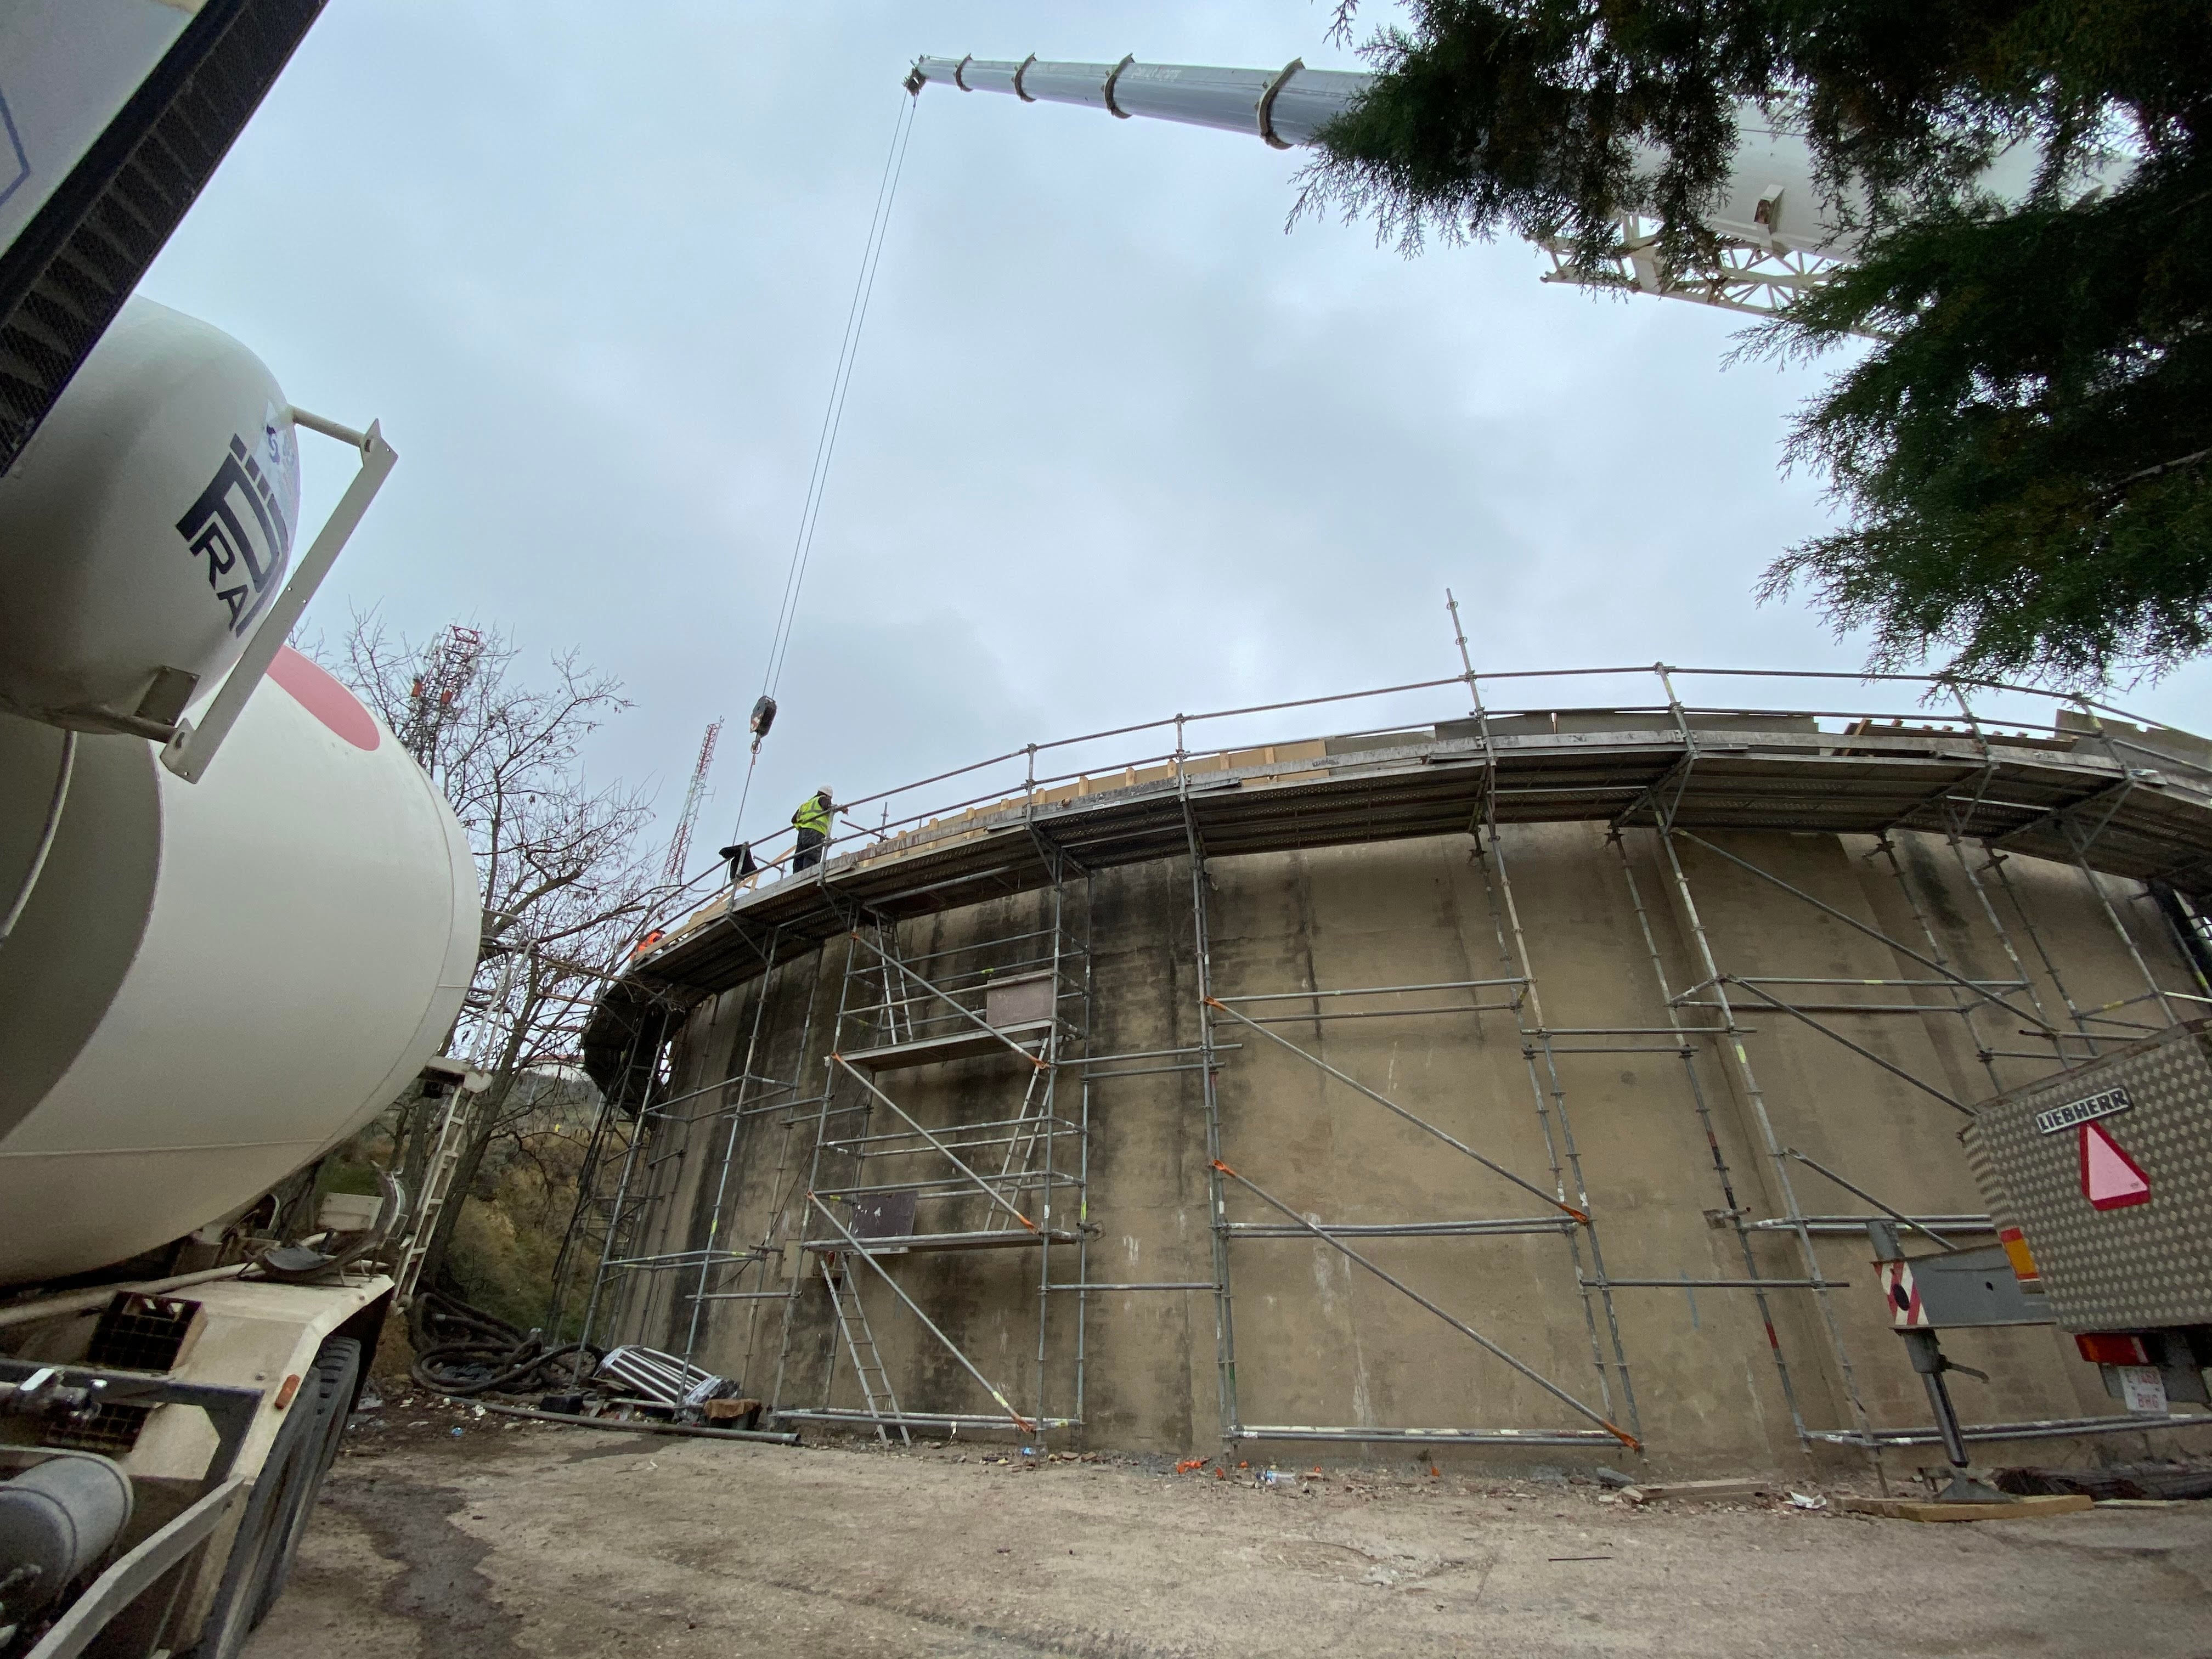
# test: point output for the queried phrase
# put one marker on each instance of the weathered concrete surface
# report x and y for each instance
(1615, 1111)
(561, 1543)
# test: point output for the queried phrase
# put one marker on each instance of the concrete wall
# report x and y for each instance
(1317, 1340)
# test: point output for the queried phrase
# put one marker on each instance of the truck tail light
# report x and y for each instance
(2106, 1349)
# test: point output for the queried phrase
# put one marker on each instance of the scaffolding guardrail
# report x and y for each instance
(2003, 769)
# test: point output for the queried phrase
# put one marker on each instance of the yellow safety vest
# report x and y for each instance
(813, 814)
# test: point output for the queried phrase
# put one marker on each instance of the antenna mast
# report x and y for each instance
(679, 845)
(434, 700)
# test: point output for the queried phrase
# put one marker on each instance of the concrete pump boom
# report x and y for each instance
(1283, 106)
(1775, 231)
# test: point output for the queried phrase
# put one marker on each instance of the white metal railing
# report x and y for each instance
(1910, 705)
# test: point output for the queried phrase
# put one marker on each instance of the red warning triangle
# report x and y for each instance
(2110, 1179)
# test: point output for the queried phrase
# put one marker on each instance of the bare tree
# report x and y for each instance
(564, 881)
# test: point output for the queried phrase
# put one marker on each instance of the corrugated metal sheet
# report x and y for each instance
(2138, 1267)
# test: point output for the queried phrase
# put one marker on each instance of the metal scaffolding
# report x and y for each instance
(1564, 1198)
(1926, 986)
(605, 1220)
(954, 1117)
(640, 1162)
(947, 1115)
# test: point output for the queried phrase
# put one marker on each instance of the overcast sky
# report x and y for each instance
(1116, 446)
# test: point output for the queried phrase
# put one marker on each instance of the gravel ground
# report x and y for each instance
(517, 1540)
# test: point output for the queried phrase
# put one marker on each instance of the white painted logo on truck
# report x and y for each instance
(2081, 1111)
(241, 526)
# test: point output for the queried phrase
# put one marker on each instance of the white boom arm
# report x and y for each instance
(1774, 232)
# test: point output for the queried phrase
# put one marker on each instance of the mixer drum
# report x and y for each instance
(215, 983)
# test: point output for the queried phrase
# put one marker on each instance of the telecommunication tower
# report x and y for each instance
(448, 668)
(680, 844)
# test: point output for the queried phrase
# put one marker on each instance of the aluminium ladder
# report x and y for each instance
(860, 1346)
(437, 1180)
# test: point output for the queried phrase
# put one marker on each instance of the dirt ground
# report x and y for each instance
(517, 1540)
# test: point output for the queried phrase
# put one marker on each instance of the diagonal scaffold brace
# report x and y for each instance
(1459, 1325)
(1025, 1424)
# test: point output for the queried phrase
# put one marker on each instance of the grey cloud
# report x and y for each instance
(1117, 445)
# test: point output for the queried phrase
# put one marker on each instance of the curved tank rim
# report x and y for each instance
(1734, 770)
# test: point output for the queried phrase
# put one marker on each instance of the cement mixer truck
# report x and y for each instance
(236, 918)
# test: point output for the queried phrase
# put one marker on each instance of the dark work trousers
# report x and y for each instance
(809, 851)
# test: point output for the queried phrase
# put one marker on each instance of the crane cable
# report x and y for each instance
(825, 444)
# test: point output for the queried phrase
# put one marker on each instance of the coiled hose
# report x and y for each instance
(461, 1351)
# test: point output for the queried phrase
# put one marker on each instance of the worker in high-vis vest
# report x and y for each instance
(812, 820)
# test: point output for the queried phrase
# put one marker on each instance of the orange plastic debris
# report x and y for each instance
(1190, 1463)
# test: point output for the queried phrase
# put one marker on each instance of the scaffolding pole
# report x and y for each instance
(1733, 1210)
(890, 1015)
(1216, 1194)
(1747, 1076)
(1546, 1087)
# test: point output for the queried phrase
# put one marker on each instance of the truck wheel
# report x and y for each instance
(283, 1500)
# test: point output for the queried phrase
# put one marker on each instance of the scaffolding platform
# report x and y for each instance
(1004, 1238)
(951, 1421)
(1508, 1226)
(1028, 1037)
(1360, 1433)
(975, 1159)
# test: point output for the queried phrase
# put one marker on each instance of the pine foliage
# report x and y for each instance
(2024, 463)
(2024, 457)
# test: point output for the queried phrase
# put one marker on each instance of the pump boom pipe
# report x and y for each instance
(1773, 221)
(1286, 107)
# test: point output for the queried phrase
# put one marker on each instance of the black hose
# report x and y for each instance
(462, 1351)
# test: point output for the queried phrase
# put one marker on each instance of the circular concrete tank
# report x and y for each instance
(1495, 1088)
